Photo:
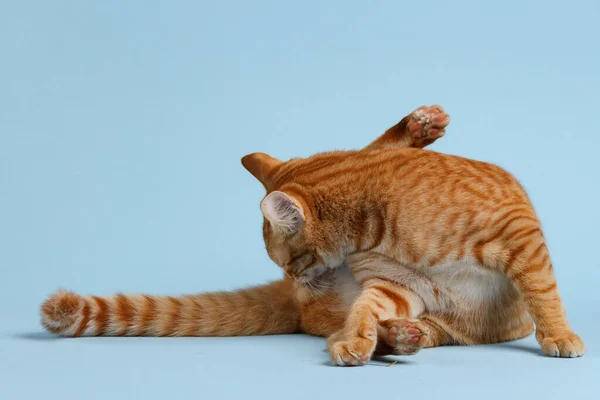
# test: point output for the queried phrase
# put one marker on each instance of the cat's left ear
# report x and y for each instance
(261, 165)
(283, 212)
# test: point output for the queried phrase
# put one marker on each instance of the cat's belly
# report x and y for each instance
(470, 284)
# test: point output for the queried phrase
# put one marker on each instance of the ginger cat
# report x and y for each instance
(389, 249)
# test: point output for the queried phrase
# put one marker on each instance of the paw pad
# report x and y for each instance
(428, 123)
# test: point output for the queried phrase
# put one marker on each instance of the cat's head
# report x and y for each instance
(296, 237)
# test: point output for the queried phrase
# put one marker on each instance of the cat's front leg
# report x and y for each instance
(355, 343)
(381, 300)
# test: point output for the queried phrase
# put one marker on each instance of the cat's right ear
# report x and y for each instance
(283, 212)
(261, 165)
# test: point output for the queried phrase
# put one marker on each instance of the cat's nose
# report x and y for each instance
(289, 274)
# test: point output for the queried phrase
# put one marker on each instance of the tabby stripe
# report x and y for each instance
(510, 213)
(478, 251)
(522, 233)
(475, 192)
(287, 170)
(102, 317)
(444, 168)
(461, 253)
(535, 268)
(492, 172)
(530, 270)
(441, 256)
(194, 313)
(360, 333)
(514, 254)
(379, 218)
(125, 312)
(402, 307)
(507, 224)
(342, 171)
(381, 279)
(379, 304)
(358, 270)
(85, 319)
(149, 311)
(470, 166)
(454, 217)
(537, 251)
(362, 282)
(415, 183)
(465, 237)
(518, 276)
(361, 223)
(435, 327)
(547, 289)
(478, 247)
(174, 315)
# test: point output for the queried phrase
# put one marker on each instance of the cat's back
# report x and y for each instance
(400, 169)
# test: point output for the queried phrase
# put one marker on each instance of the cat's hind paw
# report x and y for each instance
(405, 337)
(566, 345)
(428, 123)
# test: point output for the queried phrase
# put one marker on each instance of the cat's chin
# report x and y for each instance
(313, 274)
(321, 271)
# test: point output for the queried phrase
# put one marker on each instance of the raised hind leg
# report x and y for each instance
(418, 129)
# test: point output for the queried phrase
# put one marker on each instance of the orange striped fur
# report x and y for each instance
(261, 310)
(389, 249)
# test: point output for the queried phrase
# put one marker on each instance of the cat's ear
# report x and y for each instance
(261, 165)
(283, 212)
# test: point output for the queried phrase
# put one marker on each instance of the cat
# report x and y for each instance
(389, 249)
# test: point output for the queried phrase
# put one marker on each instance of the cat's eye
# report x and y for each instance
(295, 258)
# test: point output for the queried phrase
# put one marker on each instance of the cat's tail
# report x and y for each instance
(261, 310)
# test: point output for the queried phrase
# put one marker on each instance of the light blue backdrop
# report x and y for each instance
(122, 124)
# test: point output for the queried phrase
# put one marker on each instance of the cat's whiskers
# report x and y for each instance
(318, 283)
(315, 289)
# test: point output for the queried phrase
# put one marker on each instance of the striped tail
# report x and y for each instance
(261, 310)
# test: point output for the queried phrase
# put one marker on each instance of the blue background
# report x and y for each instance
(122, 125)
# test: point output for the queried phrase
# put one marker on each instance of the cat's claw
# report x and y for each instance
(405, 337)
(428, 123)
(352, 352)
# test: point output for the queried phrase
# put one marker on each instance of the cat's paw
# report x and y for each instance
(565, 345)
(405, 337)
(353, 352)
(428, 123)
